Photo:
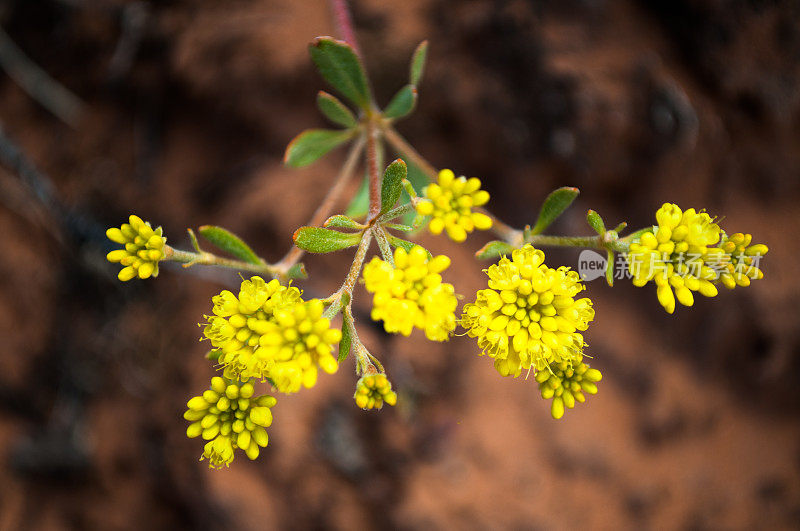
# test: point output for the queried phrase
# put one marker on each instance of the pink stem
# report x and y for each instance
(341, 11)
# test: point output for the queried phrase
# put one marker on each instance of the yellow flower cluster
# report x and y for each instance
(529, 317)
(565, 383)
(229, 417)
(450, 203)
(412, 293)
(373, 390)
(737, 260)
(268, 331)
(143, 248)
(681, 256)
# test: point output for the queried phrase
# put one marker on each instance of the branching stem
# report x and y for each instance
(189, 259)
(324, 209)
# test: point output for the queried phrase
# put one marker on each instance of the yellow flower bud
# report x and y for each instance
(450, 202)
(412, 294)
(373, 390)
(529, 317)
(143, 249)
(229, 423)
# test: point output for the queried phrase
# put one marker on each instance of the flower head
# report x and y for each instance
(736, 260)
(298, 341)
(229, 417)
(449, 202)
(565, 383)
(373, 390)
(239, 321)
(412, 294)
(143, 248)
(269, 331)
(687, 252)
(529, 317)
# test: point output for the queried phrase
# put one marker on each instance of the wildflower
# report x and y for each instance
(229, 417)
(736, 260)
(450, 204)
(143, 248)
(687, 252)
(529, 317)
(373, 390)
(298, 341)
(565, 383)
(412, 294)
(239, 321)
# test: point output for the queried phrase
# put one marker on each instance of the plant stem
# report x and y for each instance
(592, 242)
(355, 269)
(373, 171)
(344, 21)
(189, 259)
(324, 209)
(383, 244)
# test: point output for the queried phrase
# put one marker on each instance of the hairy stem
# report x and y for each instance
(373, 169)
(324, 209)
(358, 261)
(341, 12)
(592, 242)
(189, 259)
(383, 244)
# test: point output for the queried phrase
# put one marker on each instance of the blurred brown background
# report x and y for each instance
(187, 107)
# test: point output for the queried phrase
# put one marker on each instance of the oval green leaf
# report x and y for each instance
(297, 272)
(610, 268)
(493, 250)
(596, 222)
(230, 243)
(343, 222)
(555, 204)
(402, 104)
(310, 145)
(392, 185)
(418, 63)
(346, 342)
(334, 110)
(321, 240)
(338, 63)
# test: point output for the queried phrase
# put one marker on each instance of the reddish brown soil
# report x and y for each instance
(636, 103)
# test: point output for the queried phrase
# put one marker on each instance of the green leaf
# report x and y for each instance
(619, 228)
(493, 250)
(596, 222)
(610, 268)
(311, 144)
(402, 103)
(418, 63)
(338, 63)
(555, 204)
(230, 243)
(334, 110)
(343, 222)
(397, 226)
(418, 180)
(297, 272)
(320, 240)
(359, 205)
(392, 185)
(346, 342)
